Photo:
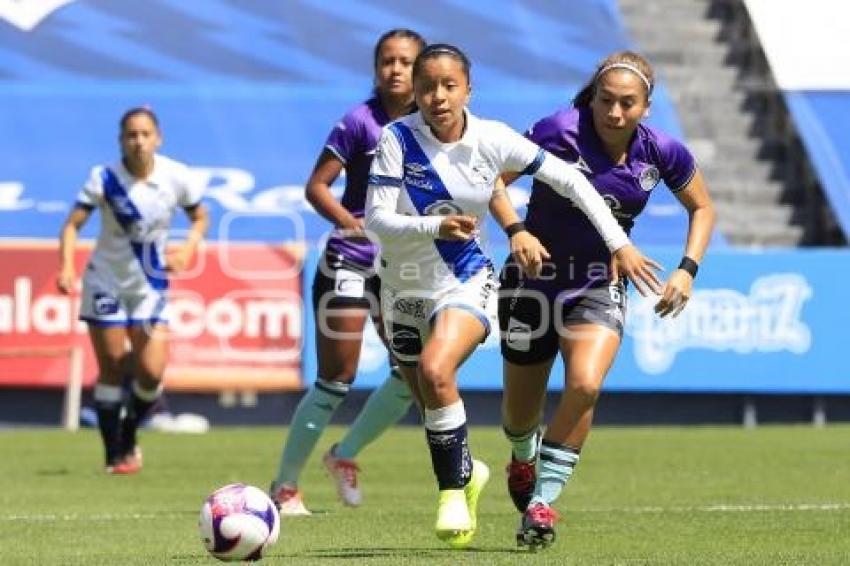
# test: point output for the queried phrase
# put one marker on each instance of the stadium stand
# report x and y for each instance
(737, 118)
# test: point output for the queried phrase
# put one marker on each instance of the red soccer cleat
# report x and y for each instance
(537, 527)
(521, 479)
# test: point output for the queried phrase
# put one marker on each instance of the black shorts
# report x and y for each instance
(533, 314)
(341, 284)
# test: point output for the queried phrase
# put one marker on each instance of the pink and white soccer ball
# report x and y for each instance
(238, 522)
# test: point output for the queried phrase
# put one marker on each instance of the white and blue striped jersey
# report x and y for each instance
(416, 180)
(135, 218)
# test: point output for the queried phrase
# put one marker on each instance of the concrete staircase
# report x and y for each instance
(732, 114)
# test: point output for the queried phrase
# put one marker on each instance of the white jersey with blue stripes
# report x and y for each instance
(135, 218)
(416, 180)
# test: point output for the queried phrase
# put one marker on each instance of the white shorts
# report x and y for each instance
(104, 303)
(408, 315)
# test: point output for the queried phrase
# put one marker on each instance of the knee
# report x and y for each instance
(584, 388)
(435, 375)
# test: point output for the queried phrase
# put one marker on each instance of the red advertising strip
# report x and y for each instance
(236, 319)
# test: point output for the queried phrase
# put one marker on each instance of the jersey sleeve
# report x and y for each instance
(517, 153)
(91, 195)
(192, 190)
(521, 155)
(544, 132)
(385, 185)
(344, 141)
(676, 163)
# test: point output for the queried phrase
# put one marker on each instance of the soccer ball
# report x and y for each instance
(238, 522)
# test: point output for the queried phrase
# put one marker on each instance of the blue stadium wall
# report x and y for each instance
(247, 91)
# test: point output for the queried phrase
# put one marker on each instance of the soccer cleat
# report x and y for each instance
(288, 501)
(453, 520)
(344, 473)
(537, 527)
(472, 492)
(128, 465)
(521, 479)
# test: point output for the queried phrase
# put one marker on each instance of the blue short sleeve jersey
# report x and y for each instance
(565, 231)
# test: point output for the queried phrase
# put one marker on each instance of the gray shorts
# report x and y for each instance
(531, 321)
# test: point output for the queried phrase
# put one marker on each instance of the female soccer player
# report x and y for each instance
(345, 288)
(576, 307)
(125, 284)
(429, 187)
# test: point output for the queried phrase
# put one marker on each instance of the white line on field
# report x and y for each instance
(721, 508)
(716, 508)
(50, 517)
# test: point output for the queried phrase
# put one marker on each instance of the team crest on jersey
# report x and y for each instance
(649, 177)
(442, 208)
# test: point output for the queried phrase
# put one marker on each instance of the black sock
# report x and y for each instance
(108, 420)
(450, 457)
(136, 411)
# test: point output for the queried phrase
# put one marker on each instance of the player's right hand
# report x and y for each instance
(458, 227)
(65, 281)
(628, 261)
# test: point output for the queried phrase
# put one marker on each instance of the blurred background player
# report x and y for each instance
(430, 184)
(346, 289)
(624, 160)
(125, 285)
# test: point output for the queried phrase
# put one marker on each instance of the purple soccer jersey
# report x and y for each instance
(577, 249)
(353, 141)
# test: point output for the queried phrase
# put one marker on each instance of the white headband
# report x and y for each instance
(630, 67)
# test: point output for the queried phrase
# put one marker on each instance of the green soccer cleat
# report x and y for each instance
(453, 519)
(472, 492)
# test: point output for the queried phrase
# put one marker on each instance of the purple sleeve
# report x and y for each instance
(344, 139)
(677, 165)
(545, 132)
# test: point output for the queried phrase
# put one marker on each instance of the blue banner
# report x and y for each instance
(247, 92)
(759, 322)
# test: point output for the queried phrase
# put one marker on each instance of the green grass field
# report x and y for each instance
(773, 495)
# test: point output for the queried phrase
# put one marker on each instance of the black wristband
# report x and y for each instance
(689, 265)
(515, 228)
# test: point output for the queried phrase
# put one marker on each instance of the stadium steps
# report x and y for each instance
(732, 120)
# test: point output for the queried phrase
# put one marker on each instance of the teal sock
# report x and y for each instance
(554, 470)
(524, 445)
(385, 406)
(309, 421)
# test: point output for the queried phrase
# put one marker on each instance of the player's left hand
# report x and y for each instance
(528, 252)
(641, 270)
(677, 292)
